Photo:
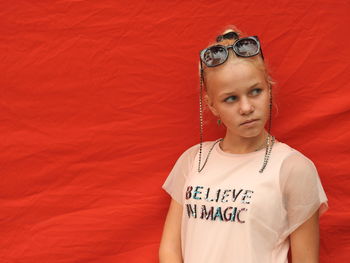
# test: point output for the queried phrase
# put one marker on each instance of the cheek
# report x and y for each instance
(229, 114)
(265, 106)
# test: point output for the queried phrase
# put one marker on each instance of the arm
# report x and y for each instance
(170, 244)
(305, 241)
(304, 201)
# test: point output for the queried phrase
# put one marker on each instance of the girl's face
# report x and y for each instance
(237, 92)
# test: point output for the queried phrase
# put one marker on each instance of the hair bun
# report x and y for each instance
(228, 34)
(228, 30)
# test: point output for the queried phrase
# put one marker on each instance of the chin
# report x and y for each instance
(247, 133)
(250, 134)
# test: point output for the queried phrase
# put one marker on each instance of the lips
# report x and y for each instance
(248, 121)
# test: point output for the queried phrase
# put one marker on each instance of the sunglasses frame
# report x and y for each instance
(234, 48)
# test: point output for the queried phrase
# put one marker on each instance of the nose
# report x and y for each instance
(245, 106)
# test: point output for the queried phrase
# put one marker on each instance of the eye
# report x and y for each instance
(228, 98)
(258, 91)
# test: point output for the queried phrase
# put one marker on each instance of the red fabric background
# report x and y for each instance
(99, 98)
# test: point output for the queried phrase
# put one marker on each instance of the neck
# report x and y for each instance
(237, 144)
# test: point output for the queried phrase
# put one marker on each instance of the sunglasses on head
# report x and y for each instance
(243, 47)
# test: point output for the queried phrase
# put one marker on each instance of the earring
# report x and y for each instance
(219, 122)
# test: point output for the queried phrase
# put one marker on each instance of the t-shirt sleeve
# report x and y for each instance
(175, 181)
(302, 190)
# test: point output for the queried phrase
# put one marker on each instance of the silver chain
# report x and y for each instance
(266, 158)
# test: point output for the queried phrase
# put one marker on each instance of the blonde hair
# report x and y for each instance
(261, 64)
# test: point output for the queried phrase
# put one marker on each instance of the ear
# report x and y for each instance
(211, 105)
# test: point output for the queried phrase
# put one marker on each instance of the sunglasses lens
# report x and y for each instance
(214, 56)
(247, 47)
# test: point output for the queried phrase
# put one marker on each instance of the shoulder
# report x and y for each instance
(186, 159)
(194, 149)
(188, 156)
(296, 160)
(297, 167)
(291, 157)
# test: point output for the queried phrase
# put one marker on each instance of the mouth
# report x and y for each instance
(253, 121)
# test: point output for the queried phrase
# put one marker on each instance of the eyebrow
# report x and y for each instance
(231, 92)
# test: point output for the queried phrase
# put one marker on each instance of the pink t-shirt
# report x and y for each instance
(232, 213)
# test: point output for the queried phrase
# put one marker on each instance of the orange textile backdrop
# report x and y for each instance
(99, 99)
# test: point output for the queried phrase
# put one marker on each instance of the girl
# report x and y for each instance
(246, 197)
